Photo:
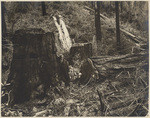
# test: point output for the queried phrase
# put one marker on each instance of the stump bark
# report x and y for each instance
(79, 60)
(34, 65)
(84, 49)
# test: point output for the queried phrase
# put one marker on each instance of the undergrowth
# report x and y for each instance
(81, 100)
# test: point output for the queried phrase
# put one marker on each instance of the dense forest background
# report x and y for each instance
(79, 17)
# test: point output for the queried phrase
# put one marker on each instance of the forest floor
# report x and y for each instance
(124, 92)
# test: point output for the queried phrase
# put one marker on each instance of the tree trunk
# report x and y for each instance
(133, 37)
(97, 21)
(4, 30)
(117, 24)
(43, 9)
(92, 4)
(121, 6)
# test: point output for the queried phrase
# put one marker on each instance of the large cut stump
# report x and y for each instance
(34, 65)
(25, 63)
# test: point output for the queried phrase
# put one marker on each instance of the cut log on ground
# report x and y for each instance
(109, 65)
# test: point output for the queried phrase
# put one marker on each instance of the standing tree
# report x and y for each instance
(92, 3)
(117, 24)
(121, 6)
(97, 21)
(43, 8)
(3, 21)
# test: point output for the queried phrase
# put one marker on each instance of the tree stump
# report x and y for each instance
(84, 49)
(81, 64)
(34, 65)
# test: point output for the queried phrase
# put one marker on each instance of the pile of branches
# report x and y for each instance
(125, 91)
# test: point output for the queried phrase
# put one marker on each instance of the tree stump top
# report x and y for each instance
(84, 49)
(23, 36)
(30, 31)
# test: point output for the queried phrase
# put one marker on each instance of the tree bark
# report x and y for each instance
(79, 59)
(121, 6)
(97, 21)
(35, 65)
(84, 49)
(117, 24)
(92, 4)
(43, 9)
(4, 30)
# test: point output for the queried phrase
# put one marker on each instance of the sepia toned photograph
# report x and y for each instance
(74, 58)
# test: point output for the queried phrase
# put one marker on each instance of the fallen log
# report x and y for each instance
(101, 15)
(111, 65)
(133, 37)
(128, 57)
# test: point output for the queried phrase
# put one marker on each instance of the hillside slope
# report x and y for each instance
(124, 91)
